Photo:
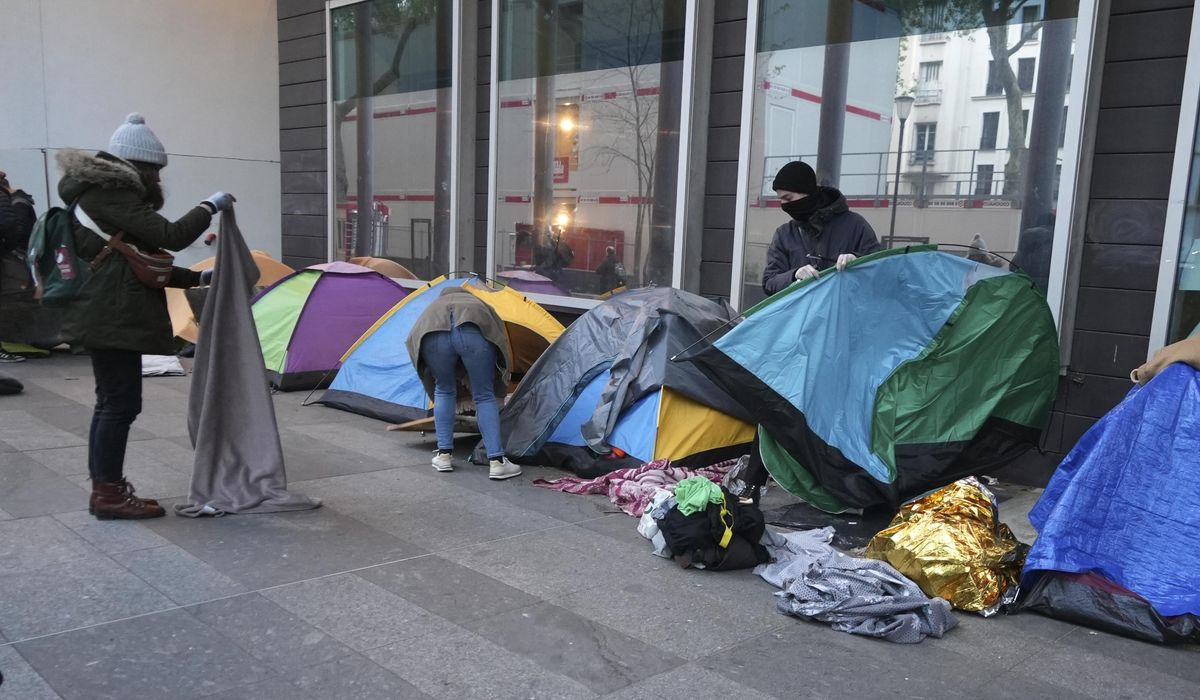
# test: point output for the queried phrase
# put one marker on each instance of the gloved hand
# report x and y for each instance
(221, 201)
(806, 272)
(845, 259)
(206, 277)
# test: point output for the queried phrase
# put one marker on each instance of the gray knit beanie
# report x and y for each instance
(133, 140)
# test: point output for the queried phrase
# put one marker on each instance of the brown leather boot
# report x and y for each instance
(129, 490)
(114, 500)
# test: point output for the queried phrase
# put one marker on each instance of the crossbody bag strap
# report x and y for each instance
(82, 217)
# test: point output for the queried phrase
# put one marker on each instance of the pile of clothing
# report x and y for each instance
(632, 490)
(702, 525)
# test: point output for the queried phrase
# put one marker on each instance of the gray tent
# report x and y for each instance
(600, 385)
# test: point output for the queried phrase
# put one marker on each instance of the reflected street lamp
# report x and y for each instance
(904, 105)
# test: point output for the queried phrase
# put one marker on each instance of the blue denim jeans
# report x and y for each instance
(442, 351)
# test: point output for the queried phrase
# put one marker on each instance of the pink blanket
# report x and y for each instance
(633, 489)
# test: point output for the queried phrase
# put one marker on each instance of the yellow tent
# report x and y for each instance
(377, 378)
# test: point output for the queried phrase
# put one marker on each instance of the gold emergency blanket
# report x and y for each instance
(953, 546)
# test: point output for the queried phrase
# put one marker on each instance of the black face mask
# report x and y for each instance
(802, 209)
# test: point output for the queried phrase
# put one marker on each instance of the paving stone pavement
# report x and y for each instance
(413, 584)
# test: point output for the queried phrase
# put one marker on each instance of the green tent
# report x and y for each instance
(907, 371)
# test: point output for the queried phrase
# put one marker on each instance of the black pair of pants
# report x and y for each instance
(118, 376)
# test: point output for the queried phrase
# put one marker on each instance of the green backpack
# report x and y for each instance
(58, 272)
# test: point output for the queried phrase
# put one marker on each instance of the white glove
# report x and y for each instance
(806, 272)
(845, 259)
(220, 201)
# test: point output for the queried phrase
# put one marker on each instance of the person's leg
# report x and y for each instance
(438, 353)
(118, 375)
(479, 357)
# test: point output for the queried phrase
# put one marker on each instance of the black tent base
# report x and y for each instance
(1094, 601)
(851, 530)
(300, 381)
(370, 406)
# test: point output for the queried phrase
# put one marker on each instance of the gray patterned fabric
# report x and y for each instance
(231, 419)
(859, 596)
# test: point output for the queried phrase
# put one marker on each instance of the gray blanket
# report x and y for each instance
(859, 596)
(231, 418)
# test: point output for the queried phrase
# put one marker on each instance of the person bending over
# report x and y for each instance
(460, 337)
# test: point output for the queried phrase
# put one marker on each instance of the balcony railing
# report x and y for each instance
(924, 156)
(955, 177)
(927, 96)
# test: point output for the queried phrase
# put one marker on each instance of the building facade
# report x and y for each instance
(537, 138)
(202, 74)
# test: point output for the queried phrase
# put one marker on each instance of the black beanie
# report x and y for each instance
(796, 176)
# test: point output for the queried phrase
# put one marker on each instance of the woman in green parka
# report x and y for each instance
(119, 319)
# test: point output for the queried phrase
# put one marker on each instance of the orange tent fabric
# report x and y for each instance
(183, 322)
(383, 266)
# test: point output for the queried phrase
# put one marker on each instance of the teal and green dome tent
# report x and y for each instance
(909, 370)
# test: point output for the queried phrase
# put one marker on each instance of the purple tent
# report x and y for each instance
(530, 282)
(308, 320)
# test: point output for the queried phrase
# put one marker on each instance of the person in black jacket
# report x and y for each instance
(17, 218)
(823, 232)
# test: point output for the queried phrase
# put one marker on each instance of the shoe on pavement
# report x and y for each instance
(501, 469)
(443, 462)
(10, 357)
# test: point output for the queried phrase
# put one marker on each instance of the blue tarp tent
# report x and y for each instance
(1124, 509)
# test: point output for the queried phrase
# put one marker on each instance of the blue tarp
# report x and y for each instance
(1125, 503)
(811, 348)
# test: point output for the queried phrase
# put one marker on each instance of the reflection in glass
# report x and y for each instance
(983, 145)
(1185, 307)
(391, 172)
(588, 143)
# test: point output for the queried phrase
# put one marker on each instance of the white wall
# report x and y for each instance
(204, 74)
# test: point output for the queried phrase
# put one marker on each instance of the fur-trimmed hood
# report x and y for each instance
(83, 170)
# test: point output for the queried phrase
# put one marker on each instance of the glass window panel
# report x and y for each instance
(391, 60)
(991, 128)
(931, 72)
(983, 179)
(993, 81)
(1185, 306)
(1025, 68)
(588, 148)
(980, 156)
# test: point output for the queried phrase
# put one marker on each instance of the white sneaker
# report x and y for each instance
(443, 462)
(503, 469)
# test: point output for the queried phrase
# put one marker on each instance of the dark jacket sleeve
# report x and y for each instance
(183, 278)
(123, 210)
(779, 272)
(867, 241)
(8, 223)
(26, 218)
